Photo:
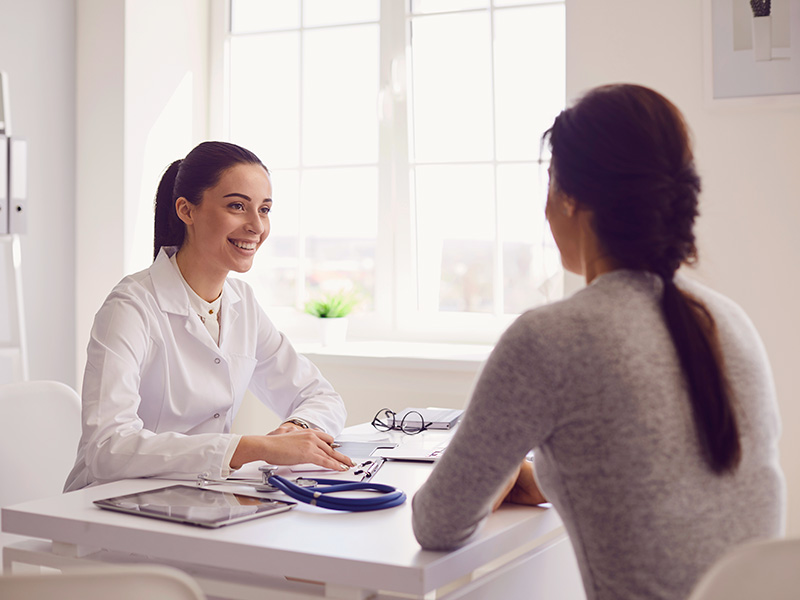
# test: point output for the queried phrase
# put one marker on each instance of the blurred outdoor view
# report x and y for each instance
(481, 82)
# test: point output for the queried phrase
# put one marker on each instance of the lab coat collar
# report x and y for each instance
(171, 295)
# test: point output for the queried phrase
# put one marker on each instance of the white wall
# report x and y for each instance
(37, 50)
(748, 157)
(166, 79)
(99, 162)
(396, 378)
(142, 87)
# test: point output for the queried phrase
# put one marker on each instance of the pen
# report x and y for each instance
(335, 445)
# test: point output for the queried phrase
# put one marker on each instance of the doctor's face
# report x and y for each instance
(232, 221)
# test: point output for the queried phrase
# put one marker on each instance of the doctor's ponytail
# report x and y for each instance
(169, 229)
(189, 178)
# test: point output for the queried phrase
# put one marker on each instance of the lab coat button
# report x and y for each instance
(216, 415)
(216, 360)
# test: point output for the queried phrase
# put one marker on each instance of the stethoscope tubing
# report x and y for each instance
(319, 495)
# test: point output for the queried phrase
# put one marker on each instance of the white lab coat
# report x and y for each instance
(159, 396)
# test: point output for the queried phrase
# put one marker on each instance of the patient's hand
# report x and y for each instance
(521, 489)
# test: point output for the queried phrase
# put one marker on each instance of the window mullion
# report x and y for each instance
(394, 209)
(218, 121)
(300, 270)
(497, 274)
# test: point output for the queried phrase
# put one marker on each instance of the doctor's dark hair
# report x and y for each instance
(624, 153)
(189, 178)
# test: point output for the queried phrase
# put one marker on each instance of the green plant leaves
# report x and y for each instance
(333, 305)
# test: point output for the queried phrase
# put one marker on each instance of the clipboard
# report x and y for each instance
(366, 455)
(415, 452)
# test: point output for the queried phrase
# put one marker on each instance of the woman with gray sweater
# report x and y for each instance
(647, 398)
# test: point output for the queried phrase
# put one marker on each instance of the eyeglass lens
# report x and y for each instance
(384, 420)
(412, 423)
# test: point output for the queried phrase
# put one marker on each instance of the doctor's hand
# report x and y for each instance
(521, 489)
(287, 427)
(295, 447)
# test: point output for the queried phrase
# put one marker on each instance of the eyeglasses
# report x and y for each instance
(411, 422)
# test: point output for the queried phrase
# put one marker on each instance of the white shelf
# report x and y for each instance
(401, 355)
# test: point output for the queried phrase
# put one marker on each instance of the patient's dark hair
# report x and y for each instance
(623, 151)
(189, 178)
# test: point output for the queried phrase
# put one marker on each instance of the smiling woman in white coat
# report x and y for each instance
(175, 347)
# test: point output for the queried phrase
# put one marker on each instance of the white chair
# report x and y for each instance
(766, 570)
(117, 582)
(39, 434)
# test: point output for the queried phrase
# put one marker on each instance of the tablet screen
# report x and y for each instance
(195, 506)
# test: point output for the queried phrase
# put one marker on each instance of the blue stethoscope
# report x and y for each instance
(319, 492)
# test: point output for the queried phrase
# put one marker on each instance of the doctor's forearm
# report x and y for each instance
(248, 450)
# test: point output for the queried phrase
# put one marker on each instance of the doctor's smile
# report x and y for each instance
(245, 245)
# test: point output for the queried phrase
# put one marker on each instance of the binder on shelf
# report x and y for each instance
(5, 105)
(3, 185)
(17, 186)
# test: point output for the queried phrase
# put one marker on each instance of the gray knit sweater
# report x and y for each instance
(593, 384)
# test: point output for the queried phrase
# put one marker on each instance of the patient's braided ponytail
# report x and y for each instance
(623, 151)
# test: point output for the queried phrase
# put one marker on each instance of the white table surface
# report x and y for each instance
(368, 550)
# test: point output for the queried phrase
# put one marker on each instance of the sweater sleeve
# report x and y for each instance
(509, 413)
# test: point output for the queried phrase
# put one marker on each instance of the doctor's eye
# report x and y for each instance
(265, 210)
(236, 206)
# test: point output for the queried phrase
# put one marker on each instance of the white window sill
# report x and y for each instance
(398, 355)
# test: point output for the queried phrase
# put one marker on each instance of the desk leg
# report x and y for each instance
(8, 561)
(346, 592)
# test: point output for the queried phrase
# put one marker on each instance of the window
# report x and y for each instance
(403, 142)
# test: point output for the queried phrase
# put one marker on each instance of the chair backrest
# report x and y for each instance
(767, 570)
(39, 434)
(101, 583)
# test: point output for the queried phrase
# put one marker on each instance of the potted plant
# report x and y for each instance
(332, 309)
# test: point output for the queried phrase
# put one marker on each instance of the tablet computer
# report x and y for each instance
(195, 505)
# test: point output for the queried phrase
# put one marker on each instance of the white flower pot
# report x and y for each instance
(333, 331)
(762, 38)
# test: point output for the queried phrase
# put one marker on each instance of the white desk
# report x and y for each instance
(349, 555)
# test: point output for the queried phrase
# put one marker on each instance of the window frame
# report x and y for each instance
(396, 315)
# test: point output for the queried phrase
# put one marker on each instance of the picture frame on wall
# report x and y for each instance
(752, 50)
